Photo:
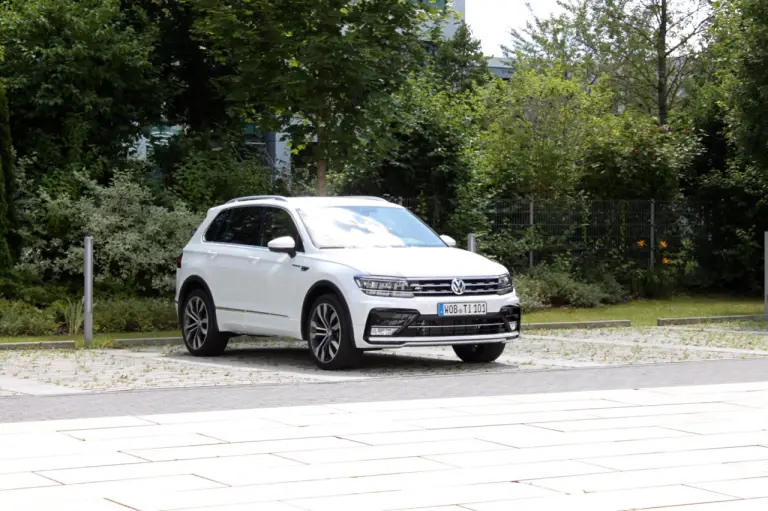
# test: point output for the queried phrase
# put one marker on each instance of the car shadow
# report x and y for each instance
(296, 358)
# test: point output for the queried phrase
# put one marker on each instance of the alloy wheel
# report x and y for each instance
(325, 332)
(196, 322)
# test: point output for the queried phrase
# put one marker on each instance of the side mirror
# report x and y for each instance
(283, 245)
(448, 241)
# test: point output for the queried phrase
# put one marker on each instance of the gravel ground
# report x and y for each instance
(97, 370)
(284, 362)
(708, 336)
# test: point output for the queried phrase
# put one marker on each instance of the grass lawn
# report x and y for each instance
(97, 338)
(645, 312)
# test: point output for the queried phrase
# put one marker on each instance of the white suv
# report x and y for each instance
(345, 274)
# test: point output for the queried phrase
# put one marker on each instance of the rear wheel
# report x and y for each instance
(199, 328)
(479, 353)
(330, 335)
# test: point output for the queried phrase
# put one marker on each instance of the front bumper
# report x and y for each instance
(404, 326)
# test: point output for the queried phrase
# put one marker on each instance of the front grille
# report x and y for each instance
(414, 325)
(442, 287)
(428, 326)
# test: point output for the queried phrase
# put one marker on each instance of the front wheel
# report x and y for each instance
(331, 338)
(199, 328)
(479, 353)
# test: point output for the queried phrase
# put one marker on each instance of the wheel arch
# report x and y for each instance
(318, 289)
(192, 283)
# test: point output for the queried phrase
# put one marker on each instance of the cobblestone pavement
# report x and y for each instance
(684, 448)
(284, 362)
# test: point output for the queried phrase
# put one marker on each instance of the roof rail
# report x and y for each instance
(368, 197)
(257, 197)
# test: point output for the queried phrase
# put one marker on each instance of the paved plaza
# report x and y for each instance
(700, 448)
(608, 420)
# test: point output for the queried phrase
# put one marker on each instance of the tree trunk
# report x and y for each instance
(662, 72)
(322, 165)
(321, 156)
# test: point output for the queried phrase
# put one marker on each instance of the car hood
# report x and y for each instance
(416, 262)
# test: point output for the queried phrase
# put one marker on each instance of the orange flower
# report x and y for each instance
(641, 243)
(665, 261)
(663, 244)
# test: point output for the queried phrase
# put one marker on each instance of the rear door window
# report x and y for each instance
(216, 230)
(245, 227)
(239, 226)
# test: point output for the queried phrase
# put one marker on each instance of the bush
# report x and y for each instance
(112, 315)
(133, 315)
(554, 287)
(19, 318)
(136, 242)
(206, 178)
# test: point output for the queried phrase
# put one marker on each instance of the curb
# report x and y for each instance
(713, 319)
(44, 345)
(158, 341)
(620, 323)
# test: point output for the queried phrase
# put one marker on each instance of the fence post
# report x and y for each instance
(472, 243)
(530, 221)
(653, 233)
(88, 297)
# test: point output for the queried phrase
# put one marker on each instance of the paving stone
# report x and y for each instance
(446, 454)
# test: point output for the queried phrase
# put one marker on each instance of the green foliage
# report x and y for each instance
(135, 241)
(536, 130)
(65, 317)
(639, 161)
(459, 61)
(643, 49)
(556, 287)
(80, 81)
(72, 315)
(207, 177)
(19, 318)
(725, 104)
(327, 73)
(188, 76)
(134, 315)
(418, 154)
(7, 206)
(745, 22)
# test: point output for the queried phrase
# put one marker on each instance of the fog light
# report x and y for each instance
(383, 331)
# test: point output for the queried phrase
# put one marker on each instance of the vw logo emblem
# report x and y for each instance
(457, 286)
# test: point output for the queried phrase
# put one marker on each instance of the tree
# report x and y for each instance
(80, 81)
(459, 61)
(420, 153)
(645, 46)
(188, 73)
(747, 25)
(726, 104)
(536, 130)
(321, 76)
(7, 213)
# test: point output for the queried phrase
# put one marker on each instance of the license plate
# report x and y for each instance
(462, 309)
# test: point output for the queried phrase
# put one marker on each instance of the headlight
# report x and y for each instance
(383, 286)
(505, 284)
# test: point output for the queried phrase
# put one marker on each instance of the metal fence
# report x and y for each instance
(644, 232)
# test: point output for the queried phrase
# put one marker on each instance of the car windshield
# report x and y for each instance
(366, 227)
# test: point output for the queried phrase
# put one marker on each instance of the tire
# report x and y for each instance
(330, 336)
(199, 328)
(479, 353)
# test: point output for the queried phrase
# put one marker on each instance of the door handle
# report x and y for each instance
(253, 259)
(211, 254)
